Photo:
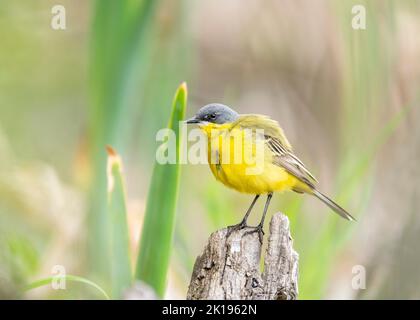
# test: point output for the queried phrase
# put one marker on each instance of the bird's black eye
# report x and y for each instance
(213, 116)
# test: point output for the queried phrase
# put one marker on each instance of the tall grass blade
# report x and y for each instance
(119, 237)
(157, 232)
(118, 33)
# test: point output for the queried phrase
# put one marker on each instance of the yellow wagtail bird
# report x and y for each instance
(281, 169)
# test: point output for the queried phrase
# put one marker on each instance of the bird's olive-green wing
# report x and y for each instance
(278, 144)
(271, 127)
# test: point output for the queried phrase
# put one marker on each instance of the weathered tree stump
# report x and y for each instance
(229, 268)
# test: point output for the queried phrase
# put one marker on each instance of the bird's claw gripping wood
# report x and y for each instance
(260, 231)
(241, 225)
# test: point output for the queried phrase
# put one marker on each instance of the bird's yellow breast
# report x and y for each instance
(244, 162)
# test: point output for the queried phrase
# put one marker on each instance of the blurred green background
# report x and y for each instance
(347, 99)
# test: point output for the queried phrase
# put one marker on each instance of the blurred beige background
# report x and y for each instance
(347, 99)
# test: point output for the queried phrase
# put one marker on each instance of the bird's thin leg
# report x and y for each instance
(260, 226)
(267, 203)
(243, 224)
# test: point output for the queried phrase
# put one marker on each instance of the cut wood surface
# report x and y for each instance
(229, 267)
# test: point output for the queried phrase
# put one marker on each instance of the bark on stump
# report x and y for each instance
(230, 268)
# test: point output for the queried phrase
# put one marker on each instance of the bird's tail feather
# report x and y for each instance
(334, 206)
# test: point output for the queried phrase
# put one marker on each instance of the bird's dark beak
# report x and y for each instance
(192, 120)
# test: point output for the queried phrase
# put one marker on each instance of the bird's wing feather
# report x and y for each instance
(278, 144)
(290, 162)
(271, 127)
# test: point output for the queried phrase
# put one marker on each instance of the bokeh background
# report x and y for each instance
(347, 99)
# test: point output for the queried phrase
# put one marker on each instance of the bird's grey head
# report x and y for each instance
(214, 113)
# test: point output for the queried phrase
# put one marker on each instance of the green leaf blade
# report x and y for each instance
(158, 227)
(121, 277)
(118, 36)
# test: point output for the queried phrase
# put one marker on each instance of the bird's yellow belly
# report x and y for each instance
(259, 176)
(272, 178)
